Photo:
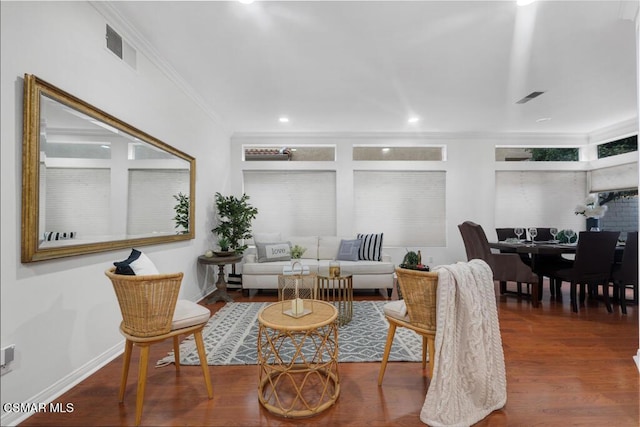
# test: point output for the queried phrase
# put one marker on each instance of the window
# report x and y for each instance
(620, 146)
(382, 153)
(535, 154)
(407, 206)
(294, 203)
(304, 153)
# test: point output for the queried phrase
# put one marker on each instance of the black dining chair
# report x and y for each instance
(625, 274)
(510, 233)
(506, 267)
(507, 233)
(592, 266)
(544, 234)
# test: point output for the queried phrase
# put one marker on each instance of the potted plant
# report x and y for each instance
(234, 216)
(223, 242)
(182, 212)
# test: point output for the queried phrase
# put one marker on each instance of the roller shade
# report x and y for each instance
(294, 203)
(407, 206)
(614, 178)
(539, 198)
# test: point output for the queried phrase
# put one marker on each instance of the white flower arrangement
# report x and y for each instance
(591, 208)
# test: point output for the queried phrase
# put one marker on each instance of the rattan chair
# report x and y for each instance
(419, 290)
(151, 313)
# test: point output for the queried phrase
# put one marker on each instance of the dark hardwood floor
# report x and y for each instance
(562, 369)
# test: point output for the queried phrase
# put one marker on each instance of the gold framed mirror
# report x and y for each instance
(93, 183)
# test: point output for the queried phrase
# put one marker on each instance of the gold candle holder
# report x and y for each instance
(334, 269)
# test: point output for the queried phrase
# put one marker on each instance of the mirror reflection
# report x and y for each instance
(100, 183)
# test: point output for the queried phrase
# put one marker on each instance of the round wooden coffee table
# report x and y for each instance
(298, 359)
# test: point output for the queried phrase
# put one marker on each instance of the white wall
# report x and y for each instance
(62, 315)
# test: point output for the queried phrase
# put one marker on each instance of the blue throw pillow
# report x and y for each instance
(348, 250)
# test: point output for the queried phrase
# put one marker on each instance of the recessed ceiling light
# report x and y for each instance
(283, 119)
(413, 119)
(385, 149)
(543, 119)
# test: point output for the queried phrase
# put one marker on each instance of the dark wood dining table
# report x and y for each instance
(543, 248)
(535, 248)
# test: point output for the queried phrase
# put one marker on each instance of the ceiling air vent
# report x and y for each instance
(529, 97)
(120, 48)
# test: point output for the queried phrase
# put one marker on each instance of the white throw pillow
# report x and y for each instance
(138, 264)
(277, 251)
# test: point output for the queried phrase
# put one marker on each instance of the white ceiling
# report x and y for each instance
(366, 66)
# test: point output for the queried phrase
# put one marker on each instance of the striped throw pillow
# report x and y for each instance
(371, 247)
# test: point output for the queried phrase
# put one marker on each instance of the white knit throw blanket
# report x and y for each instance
(469, 380)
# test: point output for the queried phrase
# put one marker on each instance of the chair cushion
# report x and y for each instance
(189, 313)
(396, 309)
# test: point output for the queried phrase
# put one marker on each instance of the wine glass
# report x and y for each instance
(533, 232)
(554, 232)
(570, 235)
(519, 231)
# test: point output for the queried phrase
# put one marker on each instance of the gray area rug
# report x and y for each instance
(230, 337)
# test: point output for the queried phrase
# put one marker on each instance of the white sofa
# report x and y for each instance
(320, 251)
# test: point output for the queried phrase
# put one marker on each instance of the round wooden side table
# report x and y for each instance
(220, 294)
(298, 359)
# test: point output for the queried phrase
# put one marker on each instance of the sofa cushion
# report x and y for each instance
(371, 248)
(348, 250)
(275, 251)
(275, 268)
(267, 237)
(328, 246)
(310, 243)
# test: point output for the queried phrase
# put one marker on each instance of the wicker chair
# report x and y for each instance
(419, 290)
(152, 313)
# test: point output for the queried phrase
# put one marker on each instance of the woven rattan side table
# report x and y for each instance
(298, 359)
(339, 292)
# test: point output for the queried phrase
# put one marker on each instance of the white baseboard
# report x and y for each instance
(637, 359)
(64, 384)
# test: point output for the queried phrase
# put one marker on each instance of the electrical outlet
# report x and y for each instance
(7, 354)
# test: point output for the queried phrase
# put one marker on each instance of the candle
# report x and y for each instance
(297, 306)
